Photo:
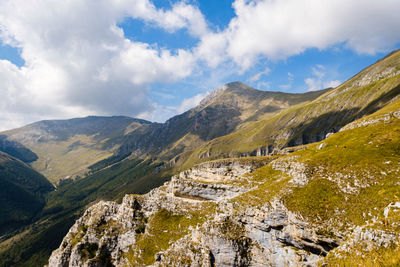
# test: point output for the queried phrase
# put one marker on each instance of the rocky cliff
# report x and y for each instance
(208, 230)
(333, 202)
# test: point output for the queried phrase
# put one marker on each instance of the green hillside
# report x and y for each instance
(222, 112)
(16, 150)
(32, 245)
(22, 193)
(66, 148)
(352, 176)
(363, 94)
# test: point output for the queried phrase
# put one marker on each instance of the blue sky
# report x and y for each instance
(155, 59)
(286, 75)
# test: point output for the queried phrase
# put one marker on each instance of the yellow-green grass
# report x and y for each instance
(341, 105)
(270, 183)
(164, 228)
(367, 159)
(60, 159)
(382, 257)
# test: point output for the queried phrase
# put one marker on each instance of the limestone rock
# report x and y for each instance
(108, 234)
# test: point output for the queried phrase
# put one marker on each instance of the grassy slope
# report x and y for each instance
(22, 192)
(64, 159)
(310, 122)
(68, 147)
(351, 180)
(162, 229)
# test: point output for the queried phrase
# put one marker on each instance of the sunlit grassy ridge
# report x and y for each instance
(352, 177)
(68, 158)
(356, 172)
(364, 94)
(221, 113)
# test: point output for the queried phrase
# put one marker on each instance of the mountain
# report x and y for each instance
(222, 112)
(333, 203)
(66, 148)
(234, 121)
(22, 192)
(366, 92)
(118, 175)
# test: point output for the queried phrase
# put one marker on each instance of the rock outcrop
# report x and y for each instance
(207, 228)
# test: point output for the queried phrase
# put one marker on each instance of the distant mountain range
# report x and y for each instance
(66, 148)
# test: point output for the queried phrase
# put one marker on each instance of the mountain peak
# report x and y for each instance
(228, 87)
(238, 86)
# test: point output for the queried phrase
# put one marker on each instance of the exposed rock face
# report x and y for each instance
(213, 192)
(215, 181)
(217, 233)
(257, 237)
(363, 123)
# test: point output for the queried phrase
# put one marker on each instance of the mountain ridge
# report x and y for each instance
(218, 114)
(377, 85)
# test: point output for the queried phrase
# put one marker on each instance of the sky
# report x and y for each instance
(155, 59)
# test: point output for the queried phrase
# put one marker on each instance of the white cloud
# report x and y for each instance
(163, 112)
(78, 61)
(212, 49)
(164, 95)
(332, 84)
(181, 15)
(318, 81)
(258, 75)
(277, 29)
(313, 84)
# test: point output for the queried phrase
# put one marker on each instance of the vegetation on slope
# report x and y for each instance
(32, 246)
(16, 150)
(304, 123)
(66, 148)
(22, 192)
(221, 113)
(352, 177)
(163, 228)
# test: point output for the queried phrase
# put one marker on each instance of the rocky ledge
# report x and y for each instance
(191, 222)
